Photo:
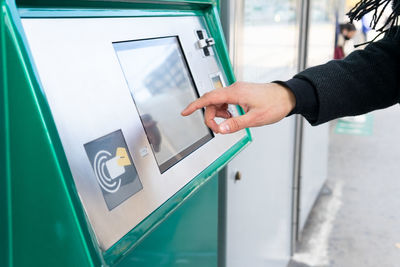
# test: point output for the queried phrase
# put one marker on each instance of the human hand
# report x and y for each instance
(263, 104)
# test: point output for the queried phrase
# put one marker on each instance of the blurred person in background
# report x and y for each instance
(364, 81)
(343, 47)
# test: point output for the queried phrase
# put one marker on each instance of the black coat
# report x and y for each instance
(365, 80)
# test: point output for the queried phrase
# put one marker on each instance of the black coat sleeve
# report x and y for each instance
(306, 98)
(365, 80)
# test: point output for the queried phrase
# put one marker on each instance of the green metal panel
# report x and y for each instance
(45, 222)
(44, 215)
(176, 5)
(4, 226)
(187, 238)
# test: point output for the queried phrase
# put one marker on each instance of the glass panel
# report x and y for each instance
(268, 45)
(321, 38)
(162, 86)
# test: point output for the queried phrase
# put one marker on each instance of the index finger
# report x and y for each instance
(215, 97)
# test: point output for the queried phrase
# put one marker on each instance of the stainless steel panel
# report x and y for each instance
(258, 214)
(259, 204)
(314, 167)
(89, 98)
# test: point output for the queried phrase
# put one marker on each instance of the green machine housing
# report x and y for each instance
(97, 166)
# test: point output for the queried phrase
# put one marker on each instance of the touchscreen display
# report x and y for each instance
(161, 86)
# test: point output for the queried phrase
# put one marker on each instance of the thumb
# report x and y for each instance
(235, 124)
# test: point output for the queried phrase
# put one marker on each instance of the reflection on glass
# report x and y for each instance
(321, 40)
(152, 131)
(161, 86)
(267, 49)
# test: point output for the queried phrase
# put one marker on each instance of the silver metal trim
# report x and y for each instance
(302, 63)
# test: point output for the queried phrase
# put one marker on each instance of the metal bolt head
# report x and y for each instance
(238, 176)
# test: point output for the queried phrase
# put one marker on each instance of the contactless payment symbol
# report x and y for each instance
(113, 168)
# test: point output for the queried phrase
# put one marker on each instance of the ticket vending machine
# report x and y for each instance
(94, 151)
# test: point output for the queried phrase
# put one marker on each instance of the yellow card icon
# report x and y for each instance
(123, 159)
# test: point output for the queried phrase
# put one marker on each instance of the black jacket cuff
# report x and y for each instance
(306, 98)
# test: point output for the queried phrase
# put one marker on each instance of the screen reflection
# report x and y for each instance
(162, 86)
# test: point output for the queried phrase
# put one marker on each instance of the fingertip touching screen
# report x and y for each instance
(161, 86)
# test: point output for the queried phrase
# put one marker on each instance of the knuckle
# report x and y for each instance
(235, 125)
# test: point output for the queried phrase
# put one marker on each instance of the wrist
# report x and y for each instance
(288, 97)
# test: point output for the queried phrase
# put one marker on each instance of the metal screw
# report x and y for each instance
(238, 176)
